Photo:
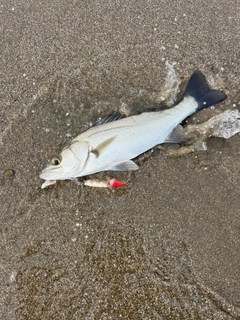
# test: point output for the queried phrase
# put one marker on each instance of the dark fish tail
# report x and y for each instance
(199, 89)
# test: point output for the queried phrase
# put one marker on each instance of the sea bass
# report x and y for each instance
(112, 144)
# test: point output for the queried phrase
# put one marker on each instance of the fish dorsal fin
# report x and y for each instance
(155, 109)
(100, 148)
(110, 118)
(177, 135)
(124, 166)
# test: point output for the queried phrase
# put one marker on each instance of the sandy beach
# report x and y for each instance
(167, 245)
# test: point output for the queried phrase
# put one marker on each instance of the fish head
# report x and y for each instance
(69, 163)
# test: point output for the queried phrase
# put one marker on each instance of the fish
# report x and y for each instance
(115, 141)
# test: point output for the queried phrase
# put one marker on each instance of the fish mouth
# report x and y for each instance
(48, 175)
(48, 183)
(44, 176)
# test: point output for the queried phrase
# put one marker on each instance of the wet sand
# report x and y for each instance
(166, 246)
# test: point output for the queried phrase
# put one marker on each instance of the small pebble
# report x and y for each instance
(9, 173)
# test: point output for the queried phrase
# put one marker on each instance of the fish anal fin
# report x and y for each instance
(124, 166)
(100, 148)
(177, 135)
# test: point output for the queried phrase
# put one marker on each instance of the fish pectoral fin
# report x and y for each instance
(100, 148)
(124, 166)
(177, 135)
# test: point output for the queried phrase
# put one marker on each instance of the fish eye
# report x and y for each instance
(56, 161)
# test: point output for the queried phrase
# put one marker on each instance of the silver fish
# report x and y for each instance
(112, 144)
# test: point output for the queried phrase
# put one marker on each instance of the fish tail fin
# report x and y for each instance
(199, 89)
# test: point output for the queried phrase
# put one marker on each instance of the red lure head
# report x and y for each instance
(114, 183)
